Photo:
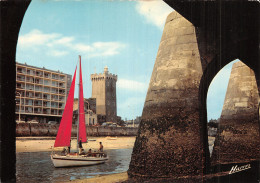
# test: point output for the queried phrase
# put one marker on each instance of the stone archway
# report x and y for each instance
(238, 138)
(167, 114)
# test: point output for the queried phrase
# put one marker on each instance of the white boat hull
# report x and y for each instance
(73, 160)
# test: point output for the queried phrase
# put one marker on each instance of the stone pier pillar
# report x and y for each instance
(238, 137)
(169, 141)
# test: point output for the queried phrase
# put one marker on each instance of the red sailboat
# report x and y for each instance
(63, 137)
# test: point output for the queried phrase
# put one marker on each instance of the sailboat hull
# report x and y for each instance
(72, 161)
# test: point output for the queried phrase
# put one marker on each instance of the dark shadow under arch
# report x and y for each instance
(12, 13)
(209, 73)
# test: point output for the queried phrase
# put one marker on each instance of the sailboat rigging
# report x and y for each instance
(63, 137)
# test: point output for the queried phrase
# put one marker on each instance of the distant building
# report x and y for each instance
(133, 122)
(91, 117)
(101, 119)
(40, 93)
(104, 90)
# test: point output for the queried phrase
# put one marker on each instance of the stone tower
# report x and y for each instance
(238, 135)
(104, 90)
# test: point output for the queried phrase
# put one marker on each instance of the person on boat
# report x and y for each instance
(80, 146)
(101, 147)
(94, 154)
(64, 151)
(69, 147)
(90, 151)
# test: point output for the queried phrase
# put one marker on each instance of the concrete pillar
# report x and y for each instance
(169, 142)
(238, 137)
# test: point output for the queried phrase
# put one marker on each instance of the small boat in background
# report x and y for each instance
(63, 138)
(111, 138)
(91, 139)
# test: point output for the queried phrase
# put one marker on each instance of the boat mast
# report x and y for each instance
(78, 107)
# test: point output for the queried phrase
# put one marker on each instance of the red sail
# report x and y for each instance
(82, 126)
(64, 132)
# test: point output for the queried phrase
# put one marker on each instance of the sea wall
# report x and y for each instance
(27, 129)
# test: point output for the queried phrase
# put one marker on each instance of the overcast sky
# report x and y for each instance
(123, 35)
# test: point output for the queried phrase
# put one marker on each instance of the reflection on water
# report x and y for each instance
(34, 167)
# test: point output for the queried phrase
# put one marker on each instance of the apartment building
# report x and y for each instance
(40, 93)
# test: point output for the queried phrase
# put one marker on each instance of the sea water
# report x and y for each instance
(32, 167)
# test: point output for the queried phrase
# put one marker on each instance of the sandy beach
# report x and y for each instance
(36, 144)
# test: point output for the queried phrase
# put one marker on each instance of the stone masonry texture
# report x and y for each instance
(168, 143)
(238, 135)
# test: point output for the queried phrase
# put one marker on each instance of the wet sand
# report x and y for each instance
(113, 178)
(36, 144)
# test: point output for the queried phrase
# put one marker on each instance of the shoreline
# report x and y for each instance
(38, 144)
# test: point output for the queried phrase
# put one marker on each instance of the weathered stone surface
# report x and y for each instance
(238, 138)
(169, 142)
(23, 129)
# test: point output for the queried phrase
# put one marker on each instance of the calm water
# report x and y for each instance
(33, 167)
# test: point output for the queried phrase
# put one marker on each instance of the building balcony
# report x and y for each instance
(21, 72)
(29, 104)
(20, 87)
(29, 89)
(20, 79)
(37, 105)
(38, 82)
(27, 111)
(39, 74)
(21, 111)
(55, 77)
